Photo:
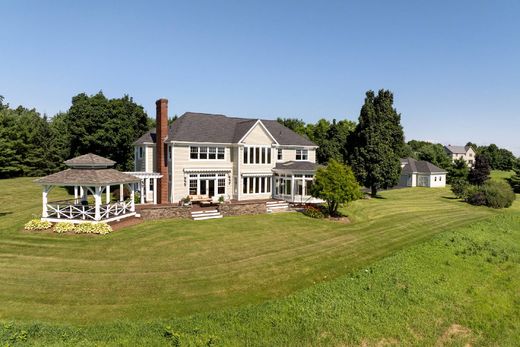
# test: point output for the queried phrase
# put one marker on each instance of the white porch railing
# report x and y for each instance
(299, 199)
(62, 210)
(68, 210)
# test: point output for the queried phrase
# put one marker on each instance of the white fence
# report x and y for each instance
(68, 210)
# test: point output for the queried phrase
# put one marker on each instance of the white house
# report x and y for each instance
(212, 156)
(461, 152)
(419, 173)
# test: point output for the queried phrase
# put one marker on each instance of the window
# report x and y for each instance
(256, 185)
(140, 152)
(245, 155)
(193, 187)
(207, 153)
(302, 154)
(280, 154)
(269, 156)
(194, 152)
(150, 185)
(264, 157)
(169, 152)
(440, 178)
(257, 152)
(257, 155)
(221, 189)
(244, 185)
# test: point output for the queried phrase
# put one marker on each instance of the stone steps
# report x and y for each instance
(277, 206)
(205, 214)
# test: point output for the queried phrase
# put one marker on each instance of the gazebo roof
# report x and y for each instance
(87, 177)
(89, 160)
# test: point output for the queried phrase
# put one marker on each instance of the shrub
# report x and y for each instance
(459, 187)
(313, 212)
(63, 227)
(495, 194)
(36, 224)
(93, 228)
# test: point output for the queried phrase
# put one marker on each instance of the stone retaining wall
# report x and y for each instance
(163, 212)
(238, 209)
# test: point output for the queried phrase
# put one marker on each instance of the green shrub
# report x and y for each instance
(459, 187)
(36, 224)
(313, 212)
(495, 194)
(93, 228)
(64, 227)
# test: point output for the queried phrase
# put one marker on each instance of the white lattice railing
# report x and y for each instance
(116, 209)
(62, 210)
(70, 211)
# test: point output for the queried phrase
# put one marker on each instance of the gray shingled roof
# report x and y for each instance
(297, 166)
(89, 160)
(148, 137)
(457, 149)
(419, 166)
(87, 177)
(204, 127)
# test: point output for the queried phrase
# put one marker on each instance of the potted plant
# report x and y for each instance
(221, 199)
(187, 201)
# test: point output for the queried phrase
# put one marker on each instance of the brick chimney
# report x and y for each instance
(161, 151)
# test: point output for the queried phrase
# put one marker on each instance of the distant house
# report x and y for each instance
(461, 152)
(420, 173)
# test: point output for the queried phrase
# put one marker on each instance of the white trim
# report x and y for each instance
(251, 129)
(197, 170)
(257, 174)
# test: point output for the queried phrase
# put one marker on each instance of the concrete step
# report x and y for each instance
(205, 214)
(273, 207)
(207, 217)
(272, 203)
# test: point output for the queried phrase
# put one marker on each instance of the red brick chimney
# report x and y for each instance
(161, 151)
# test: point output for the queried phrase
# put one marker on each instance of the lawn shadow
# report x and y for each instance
(4, 213)
(450, 197)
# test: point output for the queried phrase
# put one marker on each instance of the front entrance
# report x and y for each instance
(207, 187)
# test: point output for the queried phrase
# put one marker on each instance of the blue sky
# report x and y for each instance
(454, 66)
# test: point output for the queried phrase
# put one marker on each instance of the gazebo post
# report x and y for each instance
(97, 202)
(121, 192)
(108, 194)
(75, 194)
(45, 192)
(83, 193)
(132, 202)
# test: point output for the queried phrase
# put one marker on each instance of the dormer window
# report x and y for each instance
(302, 154)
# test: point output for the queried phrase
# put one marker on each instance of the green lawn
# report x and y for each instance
(501, 175)
(231, 278)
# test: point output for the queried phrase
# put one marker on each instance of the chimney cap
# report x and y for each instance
(162, 101)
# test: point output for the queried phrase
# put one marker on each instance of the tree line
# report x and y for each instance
(36, 145)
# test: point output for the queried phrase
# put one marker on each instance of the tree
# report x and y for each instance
(458, 171)
(336, 184)
(107, 127)
(377, 142)
(434, 153)
(480, 172)
(295, 124)
(514, 181)
(499, 158)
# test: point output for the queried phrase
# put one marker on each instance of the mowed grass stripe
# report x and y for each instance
(161, 268)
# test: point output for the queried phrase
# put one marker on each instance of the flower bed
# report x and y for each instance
(68, 227)
(37, 225)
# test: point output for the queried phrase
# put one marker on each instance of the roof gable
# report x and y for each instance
(419, 166)
(257, 134)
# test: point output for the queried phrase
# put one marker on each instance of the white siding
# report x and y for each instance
(258, 136)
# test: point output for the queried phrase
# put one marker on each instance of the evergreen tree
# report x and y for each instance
(377, 143)
(458, 171)
(480, 172)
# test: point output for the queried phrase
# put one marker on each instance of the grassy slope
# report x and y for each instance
(501, 175)
(459, 288)
(159, 269)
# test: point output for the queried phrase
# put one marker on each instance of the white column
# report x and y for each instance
(292, 188)
(97, 201)
(75, 194)
(239, 178)
(141, 183)
(146, 188)
(132, 203)
(45, 192)
(154, 191)
(108, 195)
(83, 193)
(121, 192)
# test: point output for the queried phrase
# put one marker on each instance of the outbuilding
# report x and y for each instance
(420, 173)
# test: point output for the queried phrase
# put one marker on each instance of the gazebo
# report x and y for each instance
(88, 173)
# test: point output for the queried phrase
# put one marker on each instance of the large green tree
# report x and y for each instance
(377, 143)
(336, 184)
(481, 171)
(106, 127)
(432, 152)
(499, 158)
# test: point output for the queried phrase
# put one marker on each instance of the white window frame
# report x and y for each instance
(303, 153)
(249, 184)
(279, 154)
(218, 151)
(140, 152)
(260, 151)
